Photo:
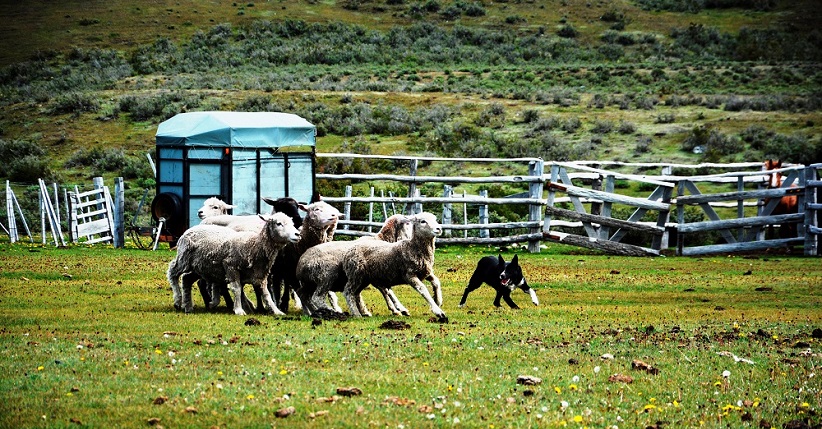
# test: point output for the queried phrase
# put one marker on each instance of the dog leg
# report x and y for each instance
(468, 289)
(509, 301)
(497, 298)
(533, 295)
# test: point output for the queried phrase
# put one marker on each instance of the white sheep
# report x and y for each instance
(212, 207)
(320, 272)
(403, 262)
(214, 212)
(319, 226)
(218, 254)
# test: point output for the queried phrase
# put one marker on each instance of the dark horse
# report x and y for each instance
(787, 204)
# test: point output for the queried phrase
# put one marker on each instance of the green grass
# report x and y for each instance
(89, 337)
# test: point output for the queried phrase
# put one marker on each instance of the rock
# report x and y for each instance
(527, 380)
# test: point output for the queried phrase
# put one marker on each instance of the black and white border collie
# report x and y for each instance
(503, 276)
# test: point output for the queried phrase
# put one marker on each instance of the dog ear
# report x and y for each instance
(514, 261)
(500, 261)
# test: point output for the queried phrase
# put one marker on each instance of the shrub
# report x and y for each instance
(567, 31)
(626, 127)
(474, 10)
(571, 125)
(530, 116)
(665, 118)
(24, 161)
(643, 145)
(602, 127)
(75, 103)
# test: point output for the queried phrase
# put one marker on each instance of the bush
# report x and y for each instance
(75, 103)
(602, 127)
(530, 116)
(643, 145)
(567, 31)
(626, 127)
(24, 161)
(571, 125)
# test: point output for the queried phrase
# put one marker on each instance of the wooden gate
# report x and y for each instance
(742, 233)
(91, 216)
(599, 224)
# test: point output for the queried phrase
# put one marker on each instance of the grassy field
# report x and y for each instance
(90, 339)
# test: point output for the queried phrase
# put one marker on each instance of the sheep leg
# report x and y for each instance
(205, 292)
(397, 303)
(351, 294)
(188, 282)
(269, 303)
(174, 281)
(362, 307)
(218, 290)
(237, 290)
(389, 301)
(248, 306)
(422, 290)
(298, 304)
(335, 303)
(436, 285)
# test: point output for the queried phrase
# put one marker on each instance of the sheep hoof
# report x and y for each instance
(405, 313)
(239, 312)
(442, 319)
(178, 307)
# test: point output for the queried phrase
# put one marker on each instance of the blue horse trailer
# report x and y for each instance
(238, 157)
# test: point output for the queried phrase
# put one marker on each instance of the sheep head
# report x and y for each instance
(286, 205)
(321, 214)
(279, 227)
(397, 227)
(426, 226)
(213, 207)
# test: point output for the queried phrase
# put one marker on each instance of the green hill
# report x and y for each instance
(85, 84)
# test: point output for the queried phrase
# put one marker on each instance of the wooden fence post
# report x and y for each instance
(371, 211)
(412, 187)
(118, 235)
(13, 236)
(535, 169)
(605, 230)
(813, 207)
(483, 215)
(446, 210)
(347, 205)
(546, 223)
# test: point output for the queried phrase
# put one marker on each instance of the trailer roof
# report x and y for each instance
(236, 129)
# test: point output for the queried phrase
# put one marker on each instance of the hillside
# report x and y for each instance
(85, 84)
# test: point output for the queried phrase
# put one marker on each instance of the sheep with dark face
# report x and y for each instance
(404, 262)
(215, 212)
(319, 226)
(320, 272)
(218, 254)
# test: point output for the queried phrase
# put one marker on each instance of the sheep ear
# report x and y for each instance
(303, 207)
(269, 201)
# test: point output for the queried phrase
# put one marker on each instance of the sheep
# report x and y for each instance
(214, 212)
(319, 226)
(212, 207)
(218, 254)
(320, 271)
(403, 262)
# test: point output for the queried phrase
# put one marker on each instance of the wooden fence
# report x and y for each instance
(573, 203)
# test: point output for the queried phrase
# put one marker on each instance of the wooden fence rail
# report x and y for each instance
(588, 193)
